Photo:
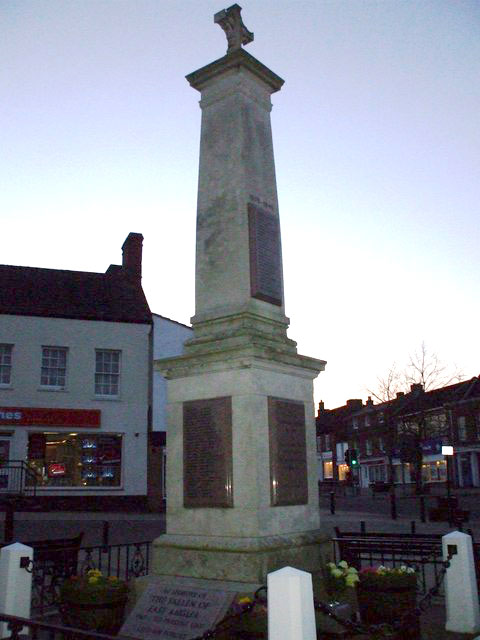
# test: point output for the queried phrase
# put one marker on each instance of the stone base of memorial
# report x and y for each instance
(243, 560)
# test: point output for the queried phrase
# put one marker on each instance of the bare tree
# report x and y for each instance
(423, 367)
(426, 368)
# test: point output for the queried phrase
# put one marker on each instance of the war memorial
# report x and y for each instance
(241, 474)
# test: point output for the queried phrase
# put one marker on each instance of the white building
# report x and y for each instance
(75, 379)
(169, 338)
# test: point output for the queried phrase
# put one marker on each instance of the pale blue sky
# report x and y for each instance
(377, 147)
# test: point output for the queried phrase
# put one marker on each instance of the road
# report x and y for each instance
(139, 527)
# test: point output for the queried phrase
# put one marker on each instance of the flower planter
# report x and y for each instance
(103, 617)
(386, 600)
(93, 602)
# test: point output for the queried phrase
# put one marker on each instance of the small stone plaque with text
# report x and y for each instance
(169, 611)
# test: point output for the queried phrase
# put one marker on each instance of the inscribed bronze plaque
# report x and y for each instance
(207, 453)
(288, 452)
(265, 255)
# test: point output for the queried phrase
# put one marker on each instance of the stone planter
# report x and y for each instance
(382, 600)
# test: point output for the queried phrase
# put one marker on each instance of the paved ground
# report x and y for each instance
(134, 527)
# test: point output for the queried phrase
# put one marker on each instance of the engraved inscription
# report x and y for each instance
(265, 255)
(207, 453)
(288, 452)
(175, 611)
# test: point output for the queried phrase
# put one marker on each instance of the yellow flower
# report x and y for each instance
(92, 580)
(94, 573)
(244, 600)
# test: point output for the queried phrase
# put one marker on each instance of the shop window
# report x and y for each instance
(107, 372)
(5, 363)
(328, 470)
(54, 367)
(462, 428)
(342, 471)
(76, 460)
(434, 471)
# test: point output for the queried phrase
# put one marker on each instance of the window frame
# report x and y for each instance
(46, 385)
(110, 374)
(6, 366)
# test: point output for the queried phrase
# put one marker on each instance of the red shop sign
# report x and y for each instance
(33, 417)
(56, 469)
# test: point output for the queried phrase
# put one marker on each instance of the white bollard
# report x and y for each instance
(15, 583)
(291, 614)
(461, 594)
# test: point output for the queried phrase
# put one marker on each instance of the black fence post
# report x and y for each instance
(363, 528)
(413, 526)
(332, 502)
(422, 509)
(9, 520)
(105, 533)
(393, 506)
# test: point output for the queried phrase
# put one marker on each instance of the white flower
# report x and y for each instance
(343, 564)
(337, 573)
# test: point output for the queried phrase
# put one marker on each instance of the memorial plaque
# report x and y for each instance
(170, 611)
(265, 255)
(207, 453)
(288, 452)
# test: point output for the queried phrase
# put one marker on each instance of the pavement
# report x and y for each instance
(136, 527)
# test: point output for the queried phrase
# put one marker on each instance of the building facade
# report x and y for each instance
(75, 380)
(169, 338)
(401, 440)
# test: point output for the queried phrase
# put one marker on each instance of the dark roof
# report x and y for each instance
(54, 293)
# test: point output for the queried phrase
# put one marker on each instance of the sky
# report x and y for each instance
(377, 149)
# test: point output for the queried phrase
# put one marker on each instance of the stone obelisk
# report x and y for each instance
(242, 495)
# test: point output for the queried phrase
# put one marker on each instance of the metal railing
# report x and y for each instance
(16, 627)
(17, 478)
(125, 561)
(425, 555)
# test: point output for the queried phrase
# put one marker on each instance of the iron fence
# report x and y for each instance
(17, 478)
(426, 556)
(15, 628)
(125, 561)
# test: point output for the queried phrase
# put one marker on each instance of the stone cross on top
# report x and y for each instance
(231, 22)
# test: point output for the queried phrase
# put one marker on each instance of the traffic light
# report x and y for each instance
(353, 458)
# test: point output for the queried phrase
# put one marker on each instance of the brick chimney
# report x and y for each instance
(321, 407)
(355, 404)
(132, 256)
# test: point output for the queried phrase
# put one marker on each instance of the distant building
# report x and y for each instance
(75, 380)
(387, 436)
(169, 338)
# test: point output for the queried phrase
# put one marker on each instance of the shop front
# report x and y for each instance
(67, 448)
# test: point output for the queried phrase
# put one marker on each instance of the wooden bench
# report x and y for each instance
(59, 553)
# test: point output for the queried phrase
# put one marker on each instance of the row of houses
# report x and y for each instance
(79, 399)
(401, 440)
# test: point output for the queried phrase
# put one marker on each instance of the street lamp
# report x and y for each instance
(447, 452)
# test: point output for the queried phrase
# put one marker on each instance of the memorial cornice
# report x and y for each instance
(235, 60)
